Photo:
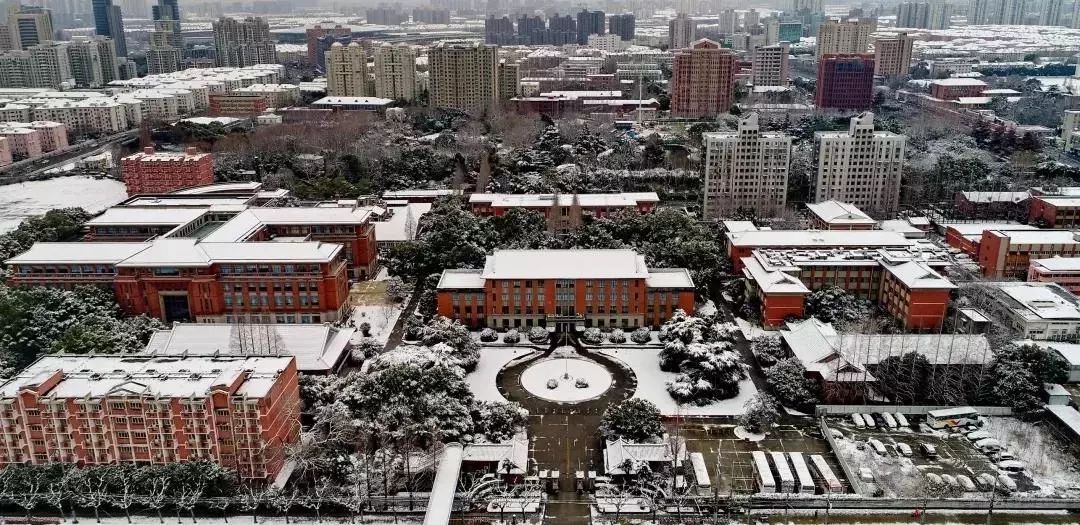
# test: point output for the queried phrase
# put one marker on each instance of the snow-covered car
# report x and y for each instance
(926, 429)
(836, 434)
(878, 446)
(901, 420)
(890, 421)
(986, 481)
(950, 480)
(988, 445)
(858, 421)
(1011, 465)
(977, 435)
(1003, 455)
(866, 474)
(1007, 483)
(869, 420)
(965, 482)
(929, 450)
(934, 479)
(904, 449)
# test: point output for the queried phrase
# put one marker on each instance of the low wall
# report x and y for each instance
(832, 410)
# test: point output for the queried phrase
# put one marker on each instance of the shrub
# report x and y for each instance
(488, 335)
(365, 329)
(707, 371)
(633, 420)
(617, 336)
(767, 350)
(414, 329)
(641, 336)
(538, 335)
(592, 336)
(512, 337)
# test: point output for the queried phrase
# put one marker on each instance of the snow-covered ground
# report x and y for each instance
(482, 380)
(566, 373)
(1049, 465)
(652, 385)
(381, 317)
(750, 331)
(22, 200)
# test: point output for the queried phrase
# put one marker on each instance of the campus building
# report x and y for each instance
(859, 166)
(564, 289)
(742, 244)
(892, 56)
(238, 411)
(905, 282)
(746, 170)
(563, 208)
(840, 37)
(1039, 311)
(1064, 271)
(1055, 211)
(1009, 253)
(162, 172)
(835, 215)
(770, 66)
(845, 82)
(966, 236)
(703, 77)
(993, 205)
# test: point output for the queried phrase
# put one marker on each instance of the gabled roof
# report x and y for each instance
(836, 212)
(317, 348)
(917, 275)
(772, 281)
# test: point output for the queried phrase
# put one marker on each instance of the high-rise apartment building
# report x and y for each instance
(1075, 23)
(812, 6)
(242, 43)
(29, 25)
(682, 31)
(499, 30)
(509, 78)
(346, 71)
(589, 23)
(154, 172)
(93, 61)
(166, 15)
(395, 71)
(17, 69)
(464, 76)
(892, 56)
(52, 64)
(746, 170)
(997, 12)
(109, 22)
(703, 76)
(860, 166)
(751, 19)
(924, 15)
(729, 20)
(770, 65)
(1050, 13)
(312, 36)
(622, 25)
(166, 51)
(238, 411)
(844, 37)
(845, 82)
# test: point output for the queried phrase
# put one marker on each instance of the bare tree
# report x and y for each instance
(123, 480)
(252, 497)
(283, 500)
(155, 489)
(94, 491)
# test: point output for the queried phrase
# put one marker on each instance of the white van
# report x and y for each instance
(858, 420)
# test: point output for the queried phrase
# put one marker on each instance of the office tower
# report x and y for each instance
(728, 22)
(395, 71)
(770, 66)
(751, 19)
(1050, 14)
(166, 15)
(892, 56)
(859, 166)
(845, 82)
(790, 32)
(813, 6)
(837, 37)
(589, 23)
(464, 76)
(682, 31)
(746, 170)
(703, 76)
(509, 78)
(93, 61)
(17, 69)
(52, 65)
(346, 71)
(499, 31)
(242, 43)
(109, 22)
(623, 25)
(312, 36)
(29, 25)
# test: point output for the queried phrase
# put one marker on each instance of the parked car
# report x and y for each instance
(858, 421)
(988, 445)
(878, 447)
(934, 479)
(965, 483)
(1011, 465)
(950, 480)
(986, 481)
(929, 450)
(904, 449)
(866, 474)
(869, 420)
(977, 435)
(1006, 483)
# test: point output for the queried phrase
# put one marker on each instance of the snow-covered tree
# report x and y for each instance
(832, 304)
(617, 336)
(787, 379)
(767, 349)
(641, 335)
(760, 412)
(592, 336)
(635, 420)
(512, 337)
(498, 421)
(396, 290)
(538, 335)
(488, 335)
(1019, 372)
(707, 371)
(682, 327)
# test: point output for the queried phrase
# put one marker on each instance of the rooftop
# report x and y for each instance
(186, 252)
(506, 200)
(79, 252)
(461, 280)
(565, 264)
(157, 216)
(1058, 264)
(816, 238)
(98, 376)
(1038, 236)
(959, 82)
(996, 196)
(842, 213)
(1040, 301)
(352, 101)
(317, 348)
(917, 275)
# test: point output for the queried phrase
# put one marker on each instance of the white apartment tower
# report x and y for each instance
(841, 37)
(747, 170)
(681, 32)
(464, 76)
(859, 166)
(346, 71)
(395, 71)
(52, 67)
(892, 56)
(770, 66)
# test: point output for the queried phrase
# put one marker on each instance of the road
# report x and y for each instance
(86, 150)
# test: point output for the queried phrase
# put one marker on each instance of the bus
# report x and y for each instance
(805, 480)
(765, 480)
(952, 417)
(783, 470)
(831, 482)
(701, 474)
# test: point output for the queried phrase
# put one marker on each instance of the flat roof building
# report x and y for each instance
(1009, 253)
(1064, 271)
(741, 244)
(162, 172)
(745, 170)
(1039, 311)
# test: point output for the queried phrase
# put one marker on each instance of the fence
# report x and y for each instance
(832, 410)
(852, 477)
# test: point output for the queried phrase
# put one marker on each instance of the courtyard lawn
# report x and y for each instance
(652, 385)
(482, 380)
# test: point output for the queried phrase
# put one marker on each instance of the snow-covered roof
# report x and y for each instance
(739, 226)
(772, 281)
(917, 275)
(974, 230)
(353, 101)
(407, 194)
(185, 252)
(903, 226)
(565, 264)
(1039, 236)
(1069, 351)
(317, 348)
(1040, 301)
(588, 200)
(1057, 264)
(102, 375)
(158, 216)
(839, 213)
(394, 229)
(461, 280)
(220, 188)
(78, 252)
(996, 196)
(669, 278)
(817, 238)
(1068, 417)
(958, 82)
(513, 453)
(251, 220)
(618, 452)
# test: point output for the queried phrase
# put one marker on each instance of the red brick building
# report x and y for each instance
(741, 244)
(238, 411)
(560, 206)
(237, 104)
(1064, 271)
(992, 205)
(1009, 253)
(163, 172)
(703, 78)
(1055, 212)
(208, 282)
(902, 282)
(563, 289)
(966, 236)
(845, 82)
(955, 88)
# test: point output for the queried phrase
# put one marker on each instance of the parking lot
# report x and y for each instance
(728, 457)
